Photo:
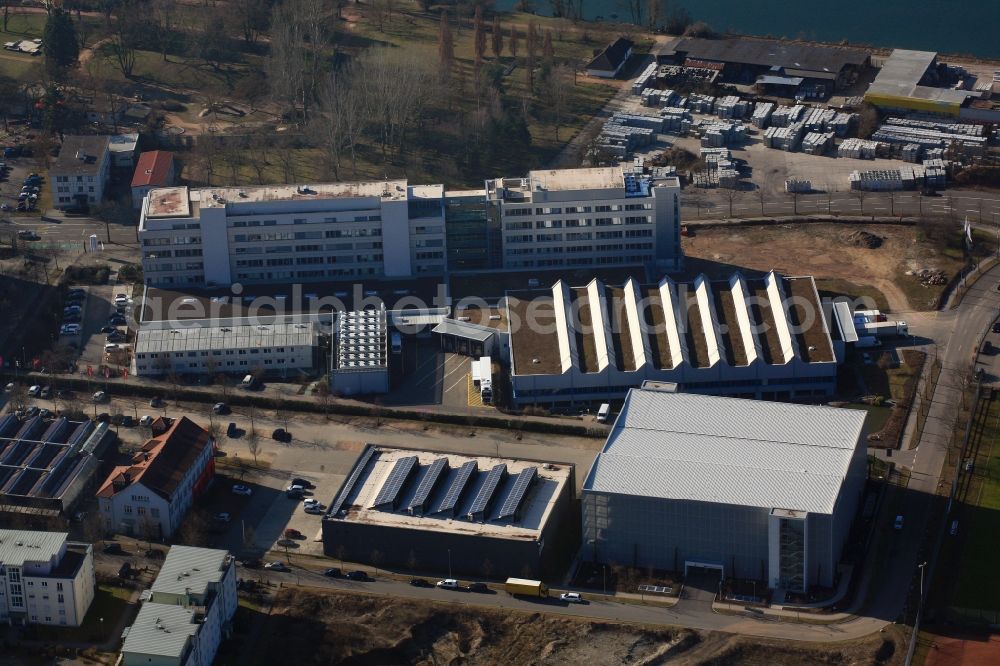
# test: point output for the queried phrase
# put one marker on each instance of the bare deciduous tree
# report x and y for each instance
(496, 43)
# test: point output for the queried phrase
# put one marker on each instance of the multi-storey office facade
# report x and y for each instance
(334, 231)
(588, 217)
(218, 236)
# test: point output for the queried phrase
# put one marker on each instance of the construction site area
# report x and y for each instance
(336, 628)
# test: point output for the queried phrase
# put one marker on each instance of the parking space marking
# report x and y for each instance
(452, 387)
(475, 398)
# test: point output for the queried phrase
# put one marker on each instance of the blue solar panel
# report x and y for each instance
(401, 471)
(457, 486)
(427, 484)
(513, 502)
(485, 496)
(345, 490)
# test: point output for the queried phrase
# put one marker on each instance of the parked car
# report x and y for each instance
(156, 402)
(357, 575)
(277, 566)
(333, 572)
(117, 320)
(27, 234)
(448, 584)
(232, 432)
(34, 390)
(110, 347)
(291, 533)
(996, 327)
(45, 413)
(479, 587)
(69, 329)
(240, 489)
(571, 597)
(108, 329)
(45, 393)
(146, 420)
(64, 394)
(115, 336)
(32, 412)
(898, 523)
(128, 421)
(99, 396)
(281, 435)
(222, 517)
(221, 408)
(305, 483)
(71, 319)
(113, 548)
(419, 582)
(314, 509)
(287, 543)
(9, 387)
(295, 489)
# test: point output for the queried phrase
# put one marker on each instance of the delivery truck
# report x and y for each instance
(884, 329)
(526, 588)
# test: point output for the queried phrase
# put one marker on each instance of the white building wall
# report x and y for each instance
(269, 359)
(48, 600)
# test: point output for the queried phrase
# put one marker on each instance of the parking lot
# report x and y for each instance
(17, 170)
(432, 377)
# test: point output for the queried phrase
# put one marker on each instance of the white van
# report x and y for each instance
(603, 412)
(247, 382)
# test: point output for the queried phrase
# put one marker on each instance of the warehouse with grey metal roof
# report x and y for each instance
(745, 488)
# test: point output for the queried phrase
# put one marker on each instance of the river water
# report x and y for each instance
(949, 26)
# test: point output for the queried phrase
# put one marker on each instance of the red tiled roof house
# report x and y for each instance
(149, 497)
(154, 169)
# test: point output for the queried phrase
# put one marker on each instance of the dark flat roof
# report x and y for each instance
(765, 53)
(81, 155)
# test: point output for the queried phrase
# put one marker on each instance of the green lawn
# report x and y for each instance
(838, 287)
(979, 524)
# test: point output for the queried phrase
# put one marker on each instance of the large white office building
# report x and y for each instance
(588, 217)
(44, 578)
(187, 612)
(748, 489)
(214, 237)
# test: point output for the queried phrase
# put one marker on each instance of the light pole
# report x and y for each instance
(449, 563)
(604, 568)
(916, 622)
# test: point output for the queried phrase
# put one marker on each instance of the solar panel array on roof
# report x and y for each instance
(427, 485)
(512, 505)
(482, 502)
(349, 484)
(388, 495)
(457, 486)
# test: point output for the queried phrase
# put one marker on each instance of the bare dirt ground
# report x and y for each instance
(963, 651)
(820, 250)
(332, 628)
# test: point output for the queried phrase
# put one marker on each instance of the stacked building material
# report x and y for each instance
(858, 149)
(762, 114)
(935, 173)
(705, 178)
(729, 179)
(887, 180)
(798, 186)
(841, 123)
(654, 123)
(643, 80)
(969, 139)
(816, 143)
(676, 120)
(910, 152)
(816, 120)
(662, 172)
(784, 138)
(716, 134)
(620, 140)
(784, 116)
(934, 154)
(698, 103)
(731, 107)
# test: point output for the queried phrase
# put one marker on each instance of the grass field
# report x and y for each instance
(978, 578)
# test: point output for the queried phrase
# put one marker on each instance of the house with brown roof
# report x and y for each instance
(149, 497)
(154, 169)
(609, 63)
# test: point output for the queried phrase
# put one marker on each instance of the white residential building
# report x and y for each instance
(288, 233)
(150, 497)
(44, 578)
(188, 612)
(78, 175)
(588, 217)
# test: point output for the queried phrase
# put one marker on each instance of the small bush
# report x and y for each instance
(98, 274)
